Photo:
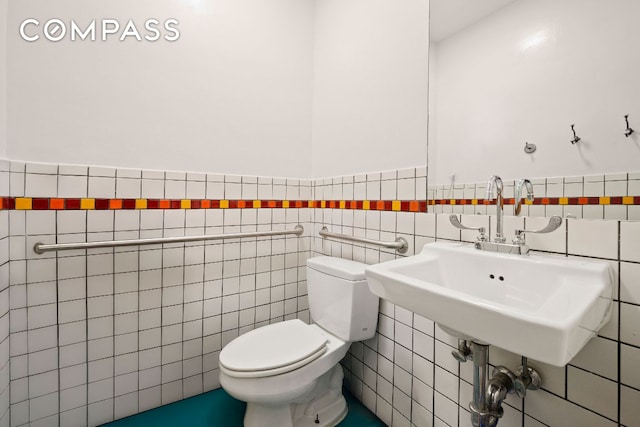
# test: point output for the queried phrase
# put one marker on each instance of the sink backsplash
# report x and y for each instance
(605, 196)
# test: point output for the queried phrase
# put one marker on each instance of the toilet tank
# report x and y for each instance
(339, 298)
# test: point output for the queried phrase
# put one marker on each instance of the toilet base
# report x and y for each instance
(327, 417)
(324, 403)
(258, 415)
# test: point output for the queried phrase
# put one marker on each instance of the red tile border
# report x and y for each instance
(42, 203)
(72, 204)
(129, 204)
(102, 204)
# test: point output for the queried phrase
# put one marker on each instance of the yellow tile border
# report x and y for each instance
(87, 204)
(24, 203)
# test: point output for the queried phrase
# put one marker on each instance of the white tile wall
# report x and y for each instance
(599, 388)
(127, 330)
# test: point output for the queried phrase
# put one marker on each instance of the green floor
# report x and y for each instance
(217, 409)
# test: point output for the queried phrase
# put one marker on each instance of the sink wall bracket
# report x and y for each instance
(463, 353)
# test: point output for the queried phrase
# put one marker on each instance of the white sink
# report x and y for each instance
(544, 307)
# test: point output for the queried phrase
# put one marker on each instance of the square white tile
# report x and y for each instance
(593, 238)
(630, 324)
(444, 229)
(630, 241)
(629, 408)
(593, 392)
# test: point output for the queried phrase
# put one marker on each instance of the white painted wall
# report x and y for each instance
(456, 15)
(370, 85)
(493, 95)
(432, 164)
(4, 4)
(232, 95)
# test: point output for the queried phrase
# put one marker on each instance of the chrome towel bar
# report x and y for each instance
(400, 244)
(40, 248)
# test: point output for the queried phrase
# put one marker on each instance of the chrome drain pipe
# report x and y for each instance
(481, 415)
(490, 392)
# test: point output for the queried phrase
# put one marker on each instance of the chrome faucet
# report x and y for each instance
(496, 181)
(519, 245)
(518, 196)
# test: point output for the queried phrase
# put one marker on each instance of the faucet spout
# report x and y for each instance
(517, 207)
(496, 182)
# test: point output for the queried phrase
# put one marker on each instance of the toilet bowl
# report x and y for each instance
(286, 398)
(289, 373)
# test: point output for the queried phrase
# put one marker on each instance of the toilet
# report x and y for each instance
(289, 373)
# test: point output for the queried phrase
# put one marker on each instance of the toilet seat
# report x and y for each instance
(272, 350)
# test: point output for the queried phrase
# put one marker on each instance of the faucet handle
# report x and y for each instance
(453, 219)
(554, 222)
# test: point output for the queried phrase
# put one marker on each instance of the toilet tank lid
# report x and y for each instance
(342, 268)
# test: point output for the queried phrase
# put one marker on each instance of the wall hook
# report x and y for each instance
(628, 131)
(576, 138)
(529, 148)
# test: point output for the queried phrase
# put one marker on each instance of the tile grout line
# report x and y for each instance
(86, 309)
(204, 259)
(184, 262)
(162, 279)
(113, 313)
(619, 344)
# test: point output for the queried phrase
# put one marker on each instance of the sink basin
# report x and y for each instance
(539, 306)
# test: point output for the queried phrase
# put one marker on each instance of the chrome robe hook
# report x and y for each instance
(628, 131)
(576, 138)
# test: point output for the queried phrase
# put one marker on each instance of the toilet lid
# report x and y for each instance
(276, 348)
